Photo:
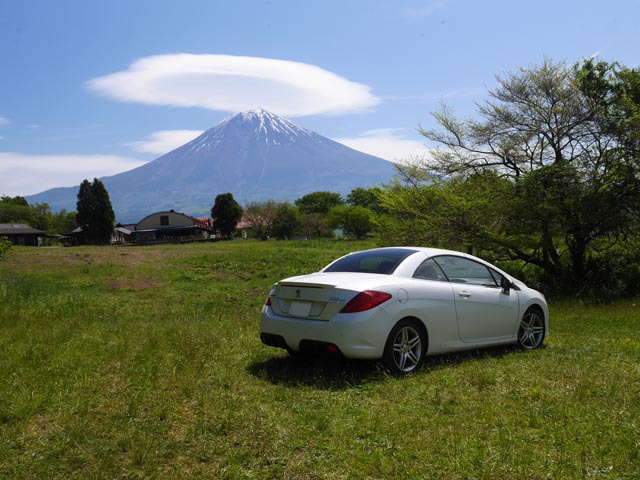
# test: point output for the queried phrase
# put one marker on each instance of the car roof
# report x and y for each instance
(434, 252)
(428, 251)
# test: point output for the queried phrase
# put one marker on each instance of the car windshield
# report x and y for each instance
(383, 261)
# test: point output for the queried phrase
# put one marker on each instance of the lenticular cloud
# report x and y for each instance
(231, 84)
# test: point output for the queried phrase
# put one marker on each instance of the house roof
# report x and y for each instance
(171, 229)
(18, 229)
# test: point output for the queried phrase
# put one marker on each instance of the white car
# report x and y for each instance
(400, 304)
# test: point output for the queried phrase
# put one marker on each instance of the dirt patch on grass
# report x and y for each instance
(32, 259)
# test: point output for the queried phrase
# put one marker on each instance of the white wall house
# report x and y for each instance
(172, 226)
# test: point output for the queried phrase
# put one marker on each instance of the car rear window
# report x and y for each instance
(372, 261)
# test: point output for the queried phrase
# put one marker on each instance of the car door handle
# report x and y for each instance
(464, 294)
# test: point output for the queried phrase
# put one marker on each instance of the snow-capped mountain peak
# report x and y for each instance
(256, 155)
(268, 127)
(254, 125)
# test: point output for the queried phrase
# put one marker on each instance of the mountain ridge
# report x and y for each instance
(255, 155)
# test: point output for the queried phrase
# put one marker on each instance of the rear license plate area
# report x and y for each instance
(300, 309)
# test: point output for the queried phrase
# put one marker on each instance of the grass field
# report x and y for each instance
(143, 362)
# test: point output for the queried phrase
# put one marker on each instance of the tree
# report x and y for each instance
(315, 225)
(261, 216)
(42, 216)
(271, 218)
(16, 213)
(356, 221)
(95, 215)
(314, 208)
(63, 222)
(367, 198)
(227, 213)
(318, 202)
(287, 222)
(17, 210)
(17, 200)
(548, 174)
(615, 92)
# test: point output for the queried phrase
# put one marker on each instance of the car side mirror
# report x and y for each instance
(506, 285)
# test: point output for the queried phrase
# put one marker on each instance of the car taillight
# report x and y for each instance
(267, 302)
(365, 301)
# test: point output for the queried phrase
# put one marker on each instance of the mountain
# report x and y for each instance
(255, 155)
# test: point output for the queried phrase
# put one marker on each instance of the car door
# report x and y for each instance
(431, 296)
(484, 312)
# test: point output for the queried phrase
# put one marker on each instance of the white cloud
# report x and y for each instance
(22, 174)
(387, 143)
(4, 121)
(164, 141)
(232, 84)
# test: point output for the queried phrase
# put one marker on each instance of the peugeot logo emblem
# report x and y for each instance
(298, 293)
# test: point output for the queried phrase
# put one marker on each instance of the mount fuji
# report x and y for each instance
(255, 155)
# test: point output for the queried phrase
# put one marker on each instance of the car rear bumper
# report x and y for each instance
(356, 335)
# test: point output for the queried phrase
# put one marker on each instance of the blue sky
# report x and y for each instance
(93, 88)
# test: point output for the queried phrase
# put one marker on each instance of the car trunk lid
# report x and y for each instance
(318, 296)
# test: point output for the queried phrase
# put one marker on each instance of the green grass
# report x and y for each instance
(145, 362)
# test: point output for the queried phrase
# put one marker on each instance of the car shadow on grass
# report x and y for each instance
(446, 360)
(333, 373)
(327, 373)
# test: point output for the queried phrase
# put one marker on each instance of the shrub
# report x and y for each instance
(5, 246)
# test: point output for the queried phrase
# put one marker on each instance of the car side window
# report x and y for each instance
(463, 270)
(429, 270)
(496, 276)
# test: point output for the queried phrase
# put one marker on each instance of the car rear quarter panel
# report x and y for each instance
(432, 303)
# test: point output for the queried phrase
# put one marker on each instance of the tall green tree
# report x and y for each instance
(95, 213)
(314, 208)
(356, 221)
(547, 173)
(227, 213)
(367, 198)
(287, 222)
(318, 202)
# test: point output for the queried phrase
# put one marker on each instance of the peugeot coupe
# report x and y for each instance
(401, 304)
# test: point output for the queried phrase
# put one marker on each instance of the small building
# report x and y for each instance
(121, 234)
(22, 234)
(172, 226)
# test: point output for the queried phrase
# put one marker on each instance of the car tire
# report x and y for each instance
(405, 348)
(531, 330)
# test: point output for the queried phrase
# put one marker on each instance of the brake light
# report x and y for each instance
(267, 302)
(365, 301)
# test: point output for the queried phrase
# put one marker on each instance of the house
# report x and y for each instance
(122, 234)
(159, 227)
(172, 226)
(22, 234)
